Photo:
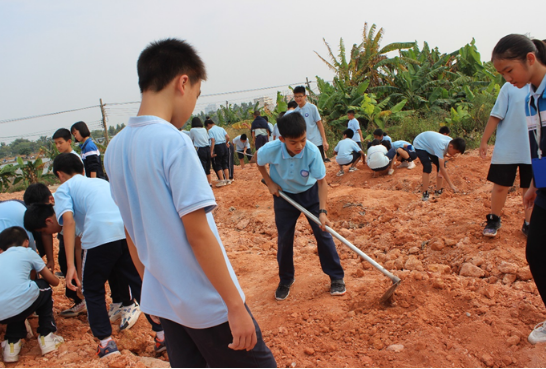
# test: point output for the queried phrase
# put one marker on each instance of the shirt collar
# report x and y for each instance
(144, 120)
(286, 155)
(541, 90)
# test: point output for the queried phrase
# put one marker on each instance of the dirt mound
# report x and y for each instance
(464, 301)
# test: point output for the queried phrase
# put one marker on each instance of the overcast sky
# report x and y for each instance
(63, 55)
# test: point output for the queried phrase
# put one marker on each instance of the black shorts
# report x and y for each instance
(412, 155)
(505, 174)
(260, 141)
(248, 155)
(356, 156)
(221, 160)
(427, 160)
(204, 158)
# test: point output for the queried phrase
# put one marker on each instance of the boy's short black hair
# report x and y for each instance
(162, 61)
(196, 122)
(379, 132)
(37, 193)
(67, 163)
(256, 113)
(266, 118)
(292, 105)
(459, 144)
(445, 130)
(375, 142)
(82, 128)
(62, 133)
(292, 125)
(208, 122)
(351, 112)
(36, 215)
(281, 114)
(349, 133)
(243, 137)
(300, 90)
(12, 236)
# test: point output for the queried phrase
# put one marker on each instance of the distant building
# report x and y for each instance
(210, 108)
(265, 100)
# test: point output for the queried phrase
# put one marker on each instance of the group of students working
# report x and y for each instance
(151, 226)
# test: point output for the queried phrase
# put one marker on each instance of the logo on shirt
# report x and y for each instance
(304, 173)
(306, 115)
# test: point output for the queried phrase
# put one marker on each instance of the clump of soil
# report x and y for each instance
(464, 300)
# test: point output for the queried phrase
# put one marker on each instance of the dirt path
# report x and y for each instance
(464, 301)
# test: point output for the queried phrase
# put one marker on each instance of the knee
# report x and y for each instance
(427, 168)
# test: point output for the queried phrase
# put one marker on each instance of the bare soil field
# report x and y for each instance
(464, 300)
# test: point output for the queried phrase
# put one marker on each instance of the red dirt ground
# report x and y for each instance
(440, 318)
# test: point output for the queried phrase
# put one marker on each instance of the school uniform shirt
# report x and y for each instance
(355, 126)
(200, 137)
(432, 142)
(376, 157)
(260, 127)
(17, 291)
(270, 131)
(534, 101)
(240, 145)
(78, 155)
(295, 174)
(310, 113)
(91, 158)
(400, 144)
(387, 138)
(94, 210)
(12, 214)
(512, 140)
(153, 192)
(219, 134)
(345, 149)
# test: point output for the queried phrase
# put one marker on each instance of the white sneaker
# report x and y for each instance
(353, 169)
(114, 312)
(75, 310)
(229, 181)
(538, 334)
(403, 164)
(30, 334)
(391, 171)
(220, 183)
(411, 165)
(130, 315)
(340, 173)
(11, 351)
(49, 343)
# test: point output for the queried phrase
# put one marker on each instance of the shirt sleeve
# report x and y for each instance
(316, 114)
(337, 147)
(355, 146)
(210, 133)
(63, 203)
(35, 260)
(263, 155)
(317, 167)
(501, 105)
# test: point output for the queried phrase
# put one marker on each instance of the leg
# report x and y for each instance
(73, 295)
(426, 181)
(182, 350)
(402, 153)
(498, 198)
(286, 217)
(527, 211)
(535, 250)
(15, 329)
(44, 309)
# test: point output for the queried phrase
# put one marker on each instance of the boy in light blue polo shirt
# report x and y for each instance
(348, 152)
(242, 147)
(355, 126)
(166, 205)
(405, 153)
(219, 152)
(296, 168)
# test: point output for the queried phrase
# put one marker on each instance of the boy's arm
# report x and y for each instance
(47, 240)
(530, 196)
(445, 175)
(272, 186)
(69, 234)
(321, 129)
(212, 147)
(210, 257)
(491, 126)
(49, 276)
(360, 133)
(323, 199)
(134, 255)
(78, 254)
(227, 140)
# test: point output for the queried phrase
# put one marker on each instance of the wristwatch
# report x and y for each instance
(323, 211)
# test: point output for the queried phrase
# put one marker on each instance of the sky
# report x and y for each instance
(64, 55)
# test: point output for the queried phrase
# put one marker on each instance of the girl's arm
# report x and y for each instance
(491, 126)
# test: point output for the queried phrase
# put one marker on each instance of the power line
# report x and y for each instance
(46, 115)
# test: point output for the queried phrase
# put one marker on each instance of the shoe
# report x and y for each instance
(59, 275)
(403, 164)
(130, 315)
(340, 173)
(160, 345)
(525, 228)
(390, 172)
(110, 349)
(326, 160)
(337, 288)
(353, 169)
(220, 183)
(49, 343)
(538, 334)
(75, 310)
(114, 312)
(283, 291)
(439, 192)
(492, 226)
(411, 165)
(30, 334)
(11, 351)
(425, 196)
(229, 181)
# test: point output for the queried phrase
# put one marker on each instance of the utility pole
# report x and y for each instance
(104, 123)
(307, 82)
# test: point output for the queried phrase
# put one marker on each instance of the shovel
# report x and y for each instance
(387, 297)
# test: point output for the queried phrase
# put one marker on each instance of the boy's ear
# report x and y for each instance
(181, 83)
(25, 243)
(51, 200)
(281, 138)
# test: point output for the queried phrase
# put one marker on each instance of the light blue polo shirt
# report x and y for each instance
(153, 193)
(17, 291)
(345, 149)
(200, 137)
(219, 134)
(512, 139)
(295, 174)
(432, 142)
(355, 126)
(400, 144)
(385, 137)
(94, 210)
(12, 214)
(240, 145)
(311, 115)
